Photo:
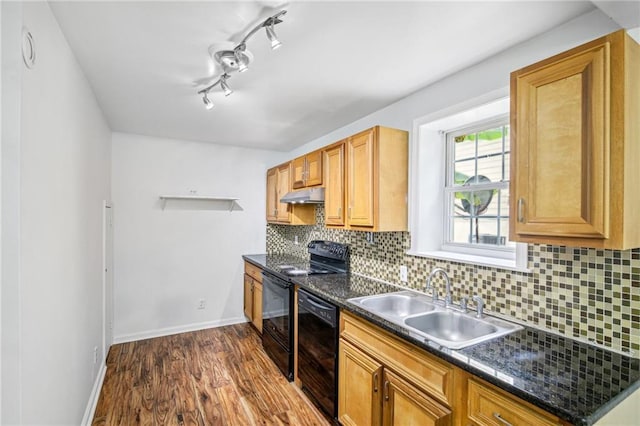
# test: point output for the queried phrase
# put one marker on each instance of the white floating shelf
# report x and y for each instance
(230, 200)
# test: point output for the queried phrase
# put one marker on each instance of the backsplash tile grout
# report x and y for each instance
(591, 294)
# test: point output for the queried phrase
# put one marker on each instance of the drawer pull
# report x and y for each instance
(503, 421)
(375, 382)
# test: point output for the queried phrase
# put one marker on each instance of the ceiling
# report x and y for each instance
(339, 61)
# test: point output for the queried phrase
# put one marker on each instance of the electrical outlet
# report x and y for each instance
(403, 273)
(202, 304)
(295, 239)
(95, 354)
(370, 237)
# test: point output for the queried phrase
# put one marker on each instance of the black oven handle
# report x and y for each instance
(319, 305)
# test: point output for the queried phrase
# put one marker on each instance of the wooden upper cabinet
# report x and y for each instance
(333, 161)
(376, 180)
(284, 186)
(272, 194)
(575, 146)
(278, 185)
(307, 170)
(360, 172)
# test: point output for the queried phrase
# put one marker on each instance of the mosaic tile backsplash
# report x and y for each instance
(589, 294)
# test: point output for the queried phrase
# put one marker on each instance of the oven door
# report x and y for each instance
(276, 308)
(277, 322)
(317, 350)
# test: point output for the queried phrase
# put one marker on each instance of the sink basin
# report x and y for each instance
(398, 305)
(450, 326)
(456, 330)
(424, 319)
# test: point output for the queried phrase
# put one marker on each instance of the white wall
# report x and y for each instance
(480, 79)
(61, 175)
(167, 260)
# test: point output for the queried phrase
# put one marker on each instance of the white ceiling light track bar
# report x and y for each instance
(238, 59)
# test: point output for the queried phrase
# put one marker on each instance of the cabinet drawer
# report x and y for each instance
(424, 370)
(488, 406)
(253, 271)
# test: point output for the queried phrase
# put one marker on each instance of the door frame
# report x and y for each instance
(107, 277)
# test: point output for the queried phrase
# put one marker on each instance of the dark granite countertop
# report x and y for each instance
(576, 381)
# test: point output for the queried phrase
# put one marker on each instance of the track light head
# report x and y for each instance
(225, 87)
(242, 60)
(207, 102)
(271, 35)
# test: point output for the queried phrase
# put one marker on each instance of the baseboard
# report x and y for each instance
(176, 330)
(93, 398)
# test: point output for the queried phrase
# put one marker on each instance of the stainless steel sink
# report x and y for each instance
(397, 305)
(417, 314)
(451, 326)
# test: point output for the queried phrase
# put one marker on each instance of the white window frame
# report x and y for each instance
(427, 173)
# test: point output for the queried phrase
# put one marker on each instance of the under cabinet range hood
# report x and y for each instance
(304, 196)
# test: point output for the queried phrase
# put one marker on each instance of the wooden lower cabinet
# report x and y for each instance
(248, 296)
(383, 380)
(371, 394)
(489, 406)
(405, 404)
(359, 384)
(253, 295)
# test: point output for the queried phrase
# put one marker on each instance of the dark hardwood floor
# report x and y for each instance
(218, 376)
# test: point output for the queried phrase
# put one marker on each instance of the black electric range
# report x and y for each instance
(325, 257)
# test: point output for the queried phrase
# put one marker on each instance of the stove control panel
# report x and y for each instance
(329, 249)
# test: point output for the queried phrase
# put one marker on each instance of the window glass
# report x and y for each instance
(477, 185)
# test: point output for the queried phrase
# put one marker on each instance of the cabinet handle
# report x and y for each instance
(375, 382)
(339, 211)
(386, 390)
(521, 210)
(349, 212)
(503, 421)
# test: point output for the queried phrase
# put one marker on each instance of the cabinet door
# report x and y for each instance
(313, 169)
(248, 296)
(283, 180)
(334, 185)
(272, 194)
(298, 172)
(560, 146)
(406, 405)
(257, 305)
(360, 178)
(359, 387)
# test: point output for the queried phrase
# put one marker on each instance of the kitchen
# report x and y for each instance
(165, 260)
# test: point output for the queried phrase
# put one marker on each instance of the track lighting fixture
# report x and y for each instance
(239, 58)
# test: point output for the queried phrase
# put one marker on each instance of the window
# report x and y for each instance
(477, 189)
(459, 185)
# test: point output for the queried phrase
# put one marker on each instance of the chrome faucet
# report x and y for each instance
(447, 297)
(479, 305)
